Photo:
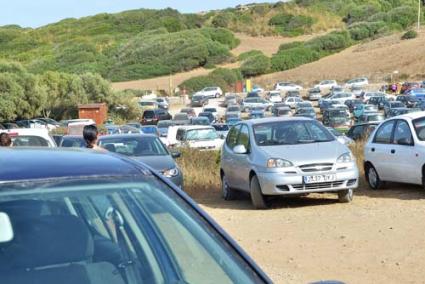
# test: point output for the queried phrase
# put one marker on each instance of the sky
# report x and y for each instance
(36, 13)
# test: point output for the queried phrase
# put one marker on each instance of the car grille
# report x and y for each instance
(316, 167)
(322, 185)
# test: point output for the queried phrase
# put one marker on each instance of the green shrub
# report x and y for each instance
(291, 45)
(256, 65)
(248, 54)
(403, 16)
(409, 34)
(289, 24)
(292, 58)
(223, 78)
(360, 13)
(222, 20)
(365, 30)
(231, 76)
(222, 36)
(331, 42)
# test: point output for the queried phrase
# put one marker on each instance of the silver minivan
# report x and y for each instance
(285, 156)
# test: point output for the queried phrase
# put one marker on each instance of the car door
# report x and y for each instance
(228, 156)
(242, 164)
(378, 152)
(405, 164)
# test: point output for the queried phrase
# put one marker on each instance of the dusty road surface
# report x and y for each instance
(378, 238)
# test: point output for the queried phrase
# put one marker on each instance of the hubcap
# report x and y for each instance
(373, 178)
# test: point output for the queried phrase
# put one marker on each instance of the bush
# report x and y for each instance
(404, 16)
(256, 65)
(409, 34)
(223, 78)
(290, 45)
(292, 58)
(222, 36)
(365, 30)
(248, 54)
(360, 13)
(291, 24)
(331, 42)
(231, 76)
(222, 20)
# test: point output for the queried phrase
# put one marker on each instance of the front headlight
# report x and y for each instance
(171, 172)
(278, 163)
(345, 158)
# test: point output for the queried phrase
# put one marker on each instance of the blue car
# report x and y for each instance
(91, 217)
(418, 93)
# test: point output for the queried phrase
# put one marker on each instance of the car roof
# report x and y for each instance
(412, 115)
(252, 122)
(23, 164)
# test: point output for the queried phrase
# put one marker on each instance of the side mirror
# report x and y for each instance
(176, 154)
(240, 149)
(6, 232)
(404, 141)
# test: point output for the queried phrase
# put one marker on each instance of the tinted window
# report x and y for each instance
(148, 114)
(221, 127)
(243, 138)
(383, 135)
(232, 137)
(73, 142)
(402, 132)
(134, 146)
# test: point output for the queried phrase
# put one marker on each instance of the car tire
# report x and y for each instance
(258, 199)
(228, 193)
(373, 178)
(346, 196)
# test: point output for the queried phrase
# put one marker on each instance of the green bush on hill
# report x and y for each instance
(409, 34)
(363, 30)
(255, 65)
(289, 24)
(248, 54)
(293, 57)
(223, 78)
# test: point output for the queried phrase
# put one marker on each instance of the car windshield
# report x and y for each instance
(210, 110)
(164, 124)
(73, 142)
(375, 117)
(197, 97)
(112, 231)
(181, 116)
(284, 112)
(29, 141)
(149, 130)
(200, 121)
(337, 114)
(134, 146)
(290, 133)
(233, 109)
(201, 134)
(397, 104)
(306, 110)
(419, 125)
(210, 89)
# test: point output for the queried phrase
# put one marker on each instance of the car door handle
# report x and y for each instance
(373, 149)
(392, 151)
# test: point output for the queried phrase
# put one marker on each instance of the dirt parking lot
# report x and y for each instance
(378, 238)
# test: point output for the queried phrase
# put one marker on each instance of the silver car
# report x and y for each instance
(285, 156)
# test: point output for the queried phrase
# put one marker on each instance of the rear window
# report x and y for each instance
(149, 114)
(222, 127)
(30, 141)
(73, 143)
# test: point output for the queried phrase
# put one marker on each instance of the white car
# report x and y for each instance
(292, 101)
(367, 95)
(275, 97)
(363, 81)
(211, 92)
(341, 98)
(395, 151)
(326, 84)
(30, 137)
(287, 86)
(194, 136)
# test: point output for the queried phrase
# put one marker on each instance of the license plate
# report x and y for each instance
(319, 178)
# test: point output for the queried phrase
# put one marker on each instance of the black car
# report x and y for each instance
(152, 116)
(408, 101)
(198, 101)
(361, 131)
(88, 217)
(378, 101)
(325, 105)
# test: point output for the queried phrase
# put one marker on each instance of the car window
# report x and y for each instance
(180, 134)
(134, 146)
(419, 125)
(29, 141)
(383, 134)
(402, 132)
(232, 137)
(243, 138)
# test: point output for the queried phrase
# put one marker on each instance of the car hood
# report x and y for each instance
(324, 152)
(158, 163)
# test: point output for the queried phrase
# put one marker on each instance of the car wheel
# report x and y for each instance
(373, 178)
(228, 192)
(258, 199)
(346, 196)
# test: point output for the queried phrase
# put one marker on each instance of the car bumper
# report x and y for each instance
(289, 184)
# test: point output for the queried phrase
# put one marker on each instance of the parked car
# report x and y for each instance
(230, 100)
(395, 151)
(341, 98)
(293, 93)
(306, 112)
(419, 93)
(257, 89)
(249, 103)
(359, 110)
(287, 86)
(212, 110)
(361, 131)
(194, 136)
(73, 141)
(406, 86)
(351, 104)
(314, 94)
(278, 156)
(371, 117)
(122, 129)
(211, 92)
(50, 123)
(232, 111)
(198, 100)
(147, 129)
(233, 120)
(207, 115)
(151, 117)
(200, 121)
(357, 91)
(162, 103)
(8, 125)
(253, 95)
(397, 111)
(31, 123)
(181, 119)
(80, 216)
(326, 84)
(336, 118)
(147, 149)
(163, 127)
(256, 112)
(135, 124)
(222, 129)
(408, 101)
(292, 101)
(274, 97)
(283, 112)
(363, 81)
(276, 106)
(342, 138)
(303, 104)
(189, 111)
(391, 105)
(325, 105)
(379, 101)
(148, 104)
(367, 95)
(30, 137)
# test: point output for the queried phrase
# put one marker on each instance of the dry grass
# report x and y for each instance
(201, 171)
(357, 149)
